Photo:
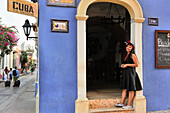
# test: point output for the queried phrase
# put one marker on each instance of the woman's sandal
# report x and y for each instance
(119, 105)
(127, 107)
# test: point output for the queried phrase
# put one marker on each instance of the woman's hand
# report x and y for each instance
(123, 65)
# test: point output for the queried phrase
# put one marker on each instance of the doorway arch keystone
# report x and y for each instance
(136, 14)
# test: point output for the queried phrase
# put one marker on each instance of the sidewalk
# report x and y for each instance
(162, 111)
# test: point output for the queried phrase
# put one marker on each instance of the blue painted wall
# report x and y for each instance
(58, 59)
(156, 81)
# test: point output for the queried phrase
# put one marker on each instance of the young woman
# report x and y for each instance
(5, 74)
(130, 79)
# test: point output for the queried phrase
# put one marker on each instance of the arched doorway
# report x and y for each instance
(136, 14)
(107, 28)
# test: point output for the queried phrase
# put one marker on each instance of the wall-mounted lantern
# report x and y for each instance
(27, 28)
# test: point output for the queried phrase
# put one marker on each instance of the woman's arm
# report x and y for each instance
(135, 60)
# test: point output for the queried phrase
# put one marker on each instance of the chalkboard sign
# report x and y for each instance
(162, 49)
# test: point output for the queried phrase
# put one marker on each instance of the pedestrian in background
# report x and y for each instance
(130, 79)
(10, 74)
(6, 68)
(1, 77)
(32, 69)
(26, 68)
(15, 74)
(5, 74)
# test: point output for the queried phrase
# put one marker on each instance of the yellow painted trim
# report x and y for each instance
(140, 104)
(82, 106)
(132, 6)
(138, 20)
(79, 17)
(136, 14)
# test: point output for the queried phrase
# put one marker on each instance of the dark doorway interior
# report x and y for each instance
(108, 27)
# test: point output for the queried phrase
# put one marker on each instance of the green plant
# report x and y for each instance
(23, 59)
(8, 39)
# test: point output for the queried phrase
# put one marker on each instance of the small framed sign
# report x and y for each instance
(60, 25)
(62, 3)
(153, 21)
(162, 48)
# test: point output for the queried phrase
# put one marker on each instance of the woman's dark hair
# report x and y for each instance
(11, 69)
(6, 70)
(131, 52)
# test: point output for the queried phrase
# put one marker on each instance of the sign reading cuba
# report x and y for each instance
(23, 7)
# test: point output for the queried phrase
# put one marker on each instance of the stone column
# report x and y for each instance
(2, 59)
(11, 59)
(82, 104)
(136, 38)
(5, 60)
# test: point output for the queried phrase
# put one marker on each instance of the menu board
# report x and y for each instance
(162, 49)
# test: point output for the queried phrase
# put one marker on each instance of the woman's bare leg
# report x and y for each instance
(123, 96)
(131, 95)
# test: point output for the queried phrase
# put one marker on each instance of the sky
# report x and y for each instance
(18, 20)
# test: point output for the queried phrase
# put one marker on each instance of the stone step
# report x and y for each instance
(111, 110)
(104, 103)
